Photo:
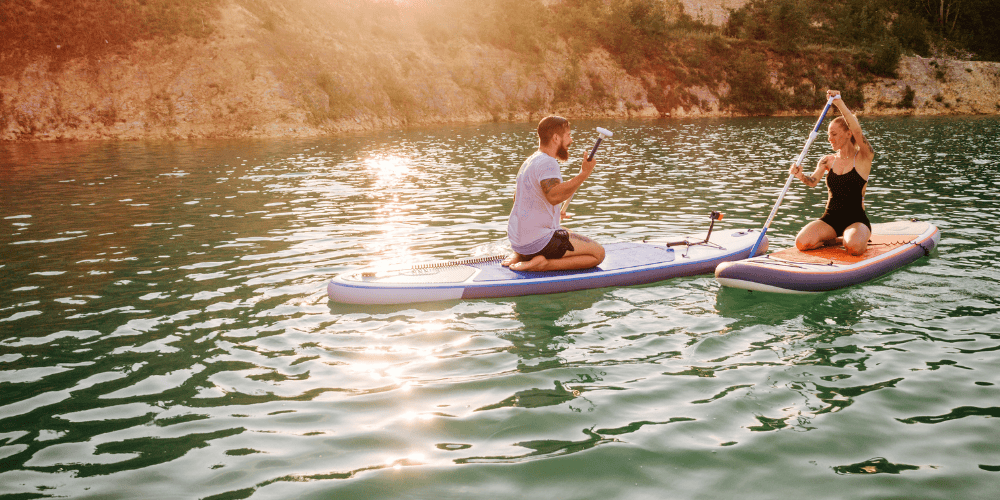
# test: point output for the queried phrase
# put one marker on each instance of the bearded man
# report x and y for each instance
(536, 236)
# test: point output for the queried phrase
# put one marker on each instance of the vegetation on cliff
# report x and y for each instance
(338, 62)
(811, 44)
(61, 30)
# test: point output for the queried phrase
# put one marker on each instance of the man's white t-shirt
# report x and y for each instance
(533, 219)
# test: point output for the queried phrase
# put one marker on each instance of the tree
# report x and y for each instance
(943, 12)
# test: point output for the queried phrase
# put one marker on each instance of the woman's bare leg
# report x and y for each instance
(856, 238)
(816, 234)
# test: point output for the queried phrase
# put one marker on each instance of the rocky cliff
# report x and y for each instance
(258, 77)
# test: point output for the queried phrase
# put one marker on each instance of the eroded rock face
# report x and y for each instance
(249, 81)
(939, 86)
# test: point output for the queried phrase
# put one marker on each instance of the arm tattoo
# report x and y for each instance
(548, 184)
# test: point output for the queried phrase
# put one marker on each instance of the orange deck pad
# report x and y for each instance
(837, 254)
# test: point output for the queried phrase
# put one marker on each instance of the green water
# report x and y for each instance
(164, 329)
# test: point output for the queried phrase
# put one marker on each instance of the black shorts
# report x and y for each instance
(557, 247)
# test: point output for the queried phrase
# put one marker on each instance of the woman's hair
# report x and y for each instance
(840, 120)
(551, 125)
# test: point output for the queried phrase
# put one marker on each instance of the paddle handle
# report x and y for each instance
(788, 182)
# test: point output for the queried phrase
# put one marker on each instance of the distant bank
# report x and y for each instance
(253, 77)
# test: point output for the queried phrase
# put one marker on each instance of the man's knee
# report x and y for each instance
(599, 254)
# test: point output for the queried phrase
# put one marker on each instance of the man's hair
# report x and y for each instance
(550, 126)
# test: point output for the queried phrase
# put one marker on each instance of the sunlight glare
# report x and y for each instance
(391, 215)
(388, 169)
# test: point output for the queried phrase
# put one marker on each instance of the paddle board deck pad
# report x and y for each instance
(892, 245)
(625, 263)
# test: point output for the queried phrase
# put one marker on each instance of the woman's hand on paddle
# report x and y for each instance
(795, 170)
(809, 180)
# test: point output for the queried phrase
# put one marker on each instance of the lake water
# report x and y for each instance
(165, 333)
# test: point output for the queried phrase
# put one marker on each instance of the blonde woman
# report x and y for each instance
(848, 175)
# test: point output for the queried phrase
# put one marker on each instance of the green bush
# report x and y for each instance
(635, 31)
(882, 58)
(567, 87)
(911, 31)
(908, 97)
(783, 23)
(750, 88)
(807, 97)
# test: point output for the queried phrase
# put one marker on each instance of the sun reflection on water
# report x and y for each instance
(388, 170)
(391, 216)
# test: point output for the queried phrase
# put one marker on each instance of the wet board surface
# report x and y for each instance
(625, 263)
(892, 246)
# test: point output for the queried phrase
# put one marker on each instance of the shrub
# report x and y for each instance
(750, 88)
(338, 101)
(599, 92)
(882, 58)
(566, 87)
(784, 23)
(911, 31)
(807, 97)
(635, 31)
(908, 96)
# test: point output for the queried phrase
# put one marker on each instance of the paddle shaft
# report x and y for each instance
(788, 183)
(593, 152)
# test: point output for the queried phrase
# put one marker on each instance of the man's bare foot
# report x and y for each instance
(514, 258)
(536, 264)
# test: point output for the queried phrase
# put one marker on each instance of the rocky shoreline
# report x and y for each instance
(241, 84)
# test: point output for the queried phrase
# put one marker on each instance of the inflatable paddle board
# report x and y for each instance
(625, 263)
(892, 245)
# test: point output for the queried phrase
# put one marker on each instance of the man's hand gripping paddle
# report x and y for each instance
(788, 183)
(604, 133)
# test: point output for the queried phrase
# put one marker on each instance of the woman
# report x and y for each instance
(849, 169)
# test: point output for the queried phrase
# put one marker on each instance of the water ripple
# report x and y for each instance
(165, 317)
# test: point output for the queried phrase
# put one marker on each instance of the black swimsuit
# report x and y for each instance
(846, 204)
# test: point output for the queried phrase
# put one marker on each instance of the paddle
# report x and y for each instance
(788, 183)
(603, 133)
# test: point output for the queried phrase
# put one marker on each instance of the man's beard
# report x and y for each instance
(562, 153)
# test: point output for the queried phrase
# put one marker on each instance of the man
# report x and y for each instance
(538, 241)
